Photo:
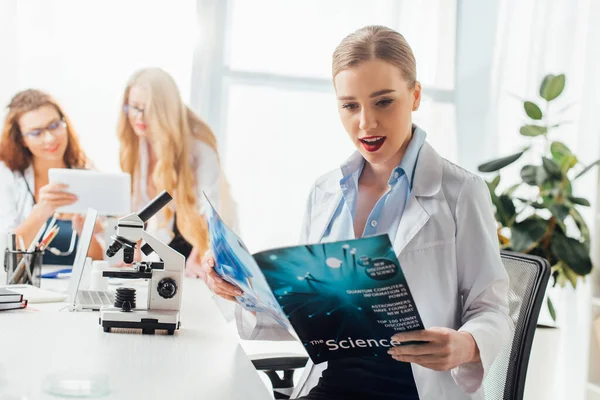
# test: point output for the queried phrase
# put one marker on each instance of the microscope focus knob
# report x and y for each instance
(167, 287)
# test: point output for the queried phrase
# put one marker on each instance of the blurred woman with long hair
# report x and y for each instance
(165, 146)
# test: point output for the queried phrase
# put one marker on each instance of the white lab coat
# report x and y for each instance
(16, 202)
(448, 249)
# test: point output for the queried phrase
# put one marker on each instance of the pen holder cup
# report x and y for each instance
(23, 267)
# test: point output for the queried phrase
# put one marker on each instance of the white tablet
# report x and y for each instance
(108, 193)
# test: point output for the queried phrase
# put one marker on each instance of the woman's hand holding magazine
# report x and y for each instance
(215, 283)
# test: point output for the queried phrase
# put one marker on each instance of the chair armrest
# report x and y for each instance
(282, 362)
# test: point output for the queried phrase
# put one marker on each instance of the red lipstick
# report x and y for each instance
(372, 143)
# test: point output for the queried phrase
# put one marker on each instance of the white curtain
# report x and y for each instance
(534, 38)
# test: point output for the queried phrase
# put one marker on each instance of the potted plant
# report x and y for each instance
(539, 214)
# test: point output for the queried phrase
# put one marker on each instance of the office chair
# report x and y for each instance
(505, 380)
(529, 277)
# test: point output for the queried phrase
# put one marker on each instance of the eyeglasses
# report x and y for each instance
(55, 128)
(133, 111)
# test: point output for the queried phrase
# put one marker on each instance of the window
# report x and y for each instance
(276, 114)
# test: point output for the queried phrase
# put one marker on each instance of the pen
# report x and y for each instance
(21, 243)
(56, 274)
(51, 224)
(49, 238)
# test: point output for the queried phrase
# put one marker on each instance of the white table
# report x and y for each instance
(203, 360)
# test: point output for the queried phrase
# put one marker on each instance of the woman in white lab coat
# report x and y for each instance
(441, 224)
(38, 135)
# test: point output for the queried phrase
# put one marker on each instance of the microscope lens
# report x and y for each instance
(113, 248)
(128, 255)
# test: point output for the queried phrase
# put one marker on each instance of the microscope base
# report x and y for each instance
(147, 321)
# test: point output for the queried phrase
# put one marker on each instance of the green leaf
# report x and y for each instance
(563, 156)
(549, 189)
(560, 211)
(572, 252)
(579, 200)
(505, 209)
(559, 150)
(532, 110)
(533, 175)
(532, 203)
(586, 169)
(552, 86)
(533, 130)
(527, 232)
(568, 188)
(581, 225)
(537, 206)
(545, 83)
(500, 163)
(494, 183)
(551, 309)
(567, 163)
(552, 168)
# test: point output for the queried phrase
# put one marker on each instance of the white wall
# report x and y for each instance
(82, 52)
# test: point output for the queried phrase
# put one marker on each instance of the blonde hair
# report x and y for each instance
(172, 127)
(379, 43)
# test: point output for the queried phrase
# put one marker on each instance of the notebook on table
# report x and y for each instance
(34, 294)
(10, 300)
(13, 305)
(9, 296)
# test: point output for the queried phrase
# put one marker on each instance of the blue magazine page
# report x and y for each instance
(235, 264)
(344, 299)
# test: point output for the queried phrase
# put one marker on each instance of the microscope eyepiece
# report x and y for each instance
(155, 205)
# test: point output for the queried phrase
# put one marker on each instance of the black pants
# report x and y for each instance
(369, 378)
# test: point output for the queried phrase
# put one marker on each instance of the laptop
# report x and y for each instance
(80, 299)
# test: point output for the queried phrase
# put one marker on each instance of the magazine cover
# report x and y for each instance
(343, 299)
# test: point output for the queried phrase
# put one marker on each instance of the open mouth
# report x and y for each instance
(372, 143)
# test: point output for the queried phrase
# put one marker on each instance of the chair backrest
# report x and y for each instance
(529, 277)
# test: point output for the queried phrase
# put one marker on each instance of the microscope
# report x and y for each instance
(165, 278)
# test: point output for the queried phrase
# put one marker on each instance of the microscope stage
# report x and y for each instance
(147, 320)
